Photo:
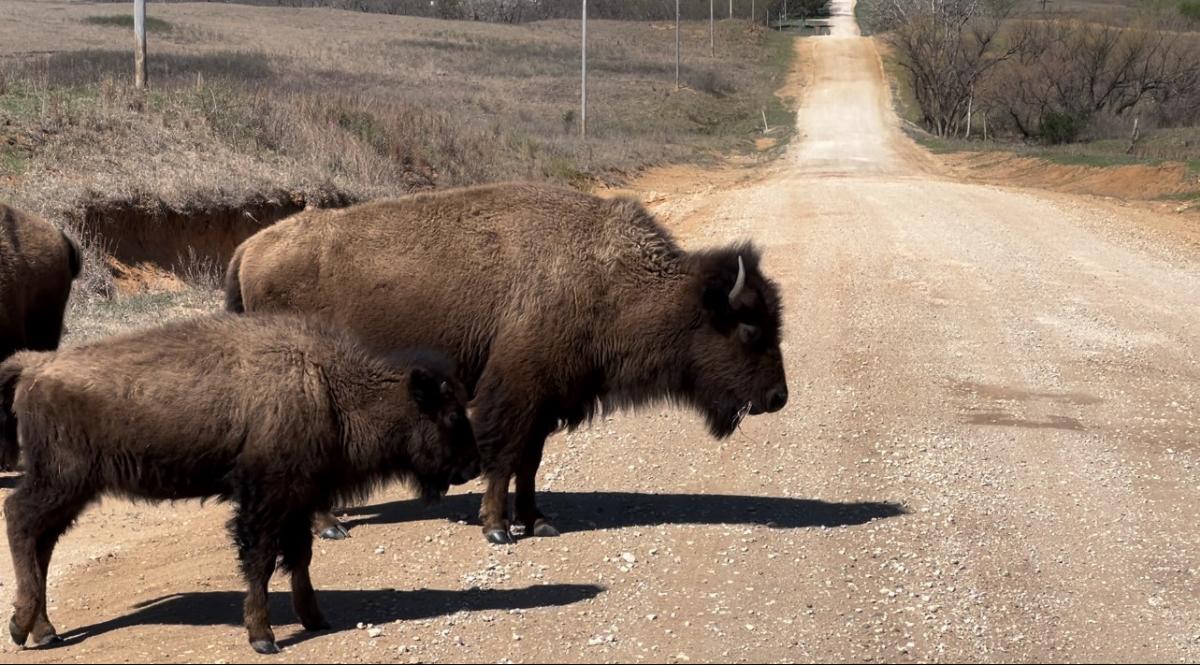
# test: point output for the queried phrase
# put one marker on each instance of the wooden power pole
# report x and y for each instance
(676, 44)
(712, 26)
(139, 47)
(583, 84)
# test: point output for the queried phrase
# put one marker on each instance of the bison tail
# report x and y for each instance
(74, 255)
(233, 284)
(10, 372)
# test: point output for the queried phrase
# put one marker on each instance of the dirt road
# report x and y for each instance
(991, 453)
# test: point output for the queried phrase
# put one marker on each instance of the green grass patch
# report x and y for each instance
(19, 103)
(364, 126)
(1184, 197)
(941, 146)
(1095, 160)
(13, 161)
(126, 21)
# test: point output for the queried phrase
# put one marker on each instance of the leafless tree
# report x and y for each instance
(1072, 73)
(947, 47)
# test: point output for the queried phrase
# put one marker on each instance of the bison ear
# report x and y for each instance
(426, 390)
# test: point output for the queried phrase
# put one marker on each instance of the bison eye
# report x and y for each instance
(749, 334)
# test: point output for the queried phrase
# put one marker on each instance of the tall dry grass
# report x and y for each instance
(330, 106)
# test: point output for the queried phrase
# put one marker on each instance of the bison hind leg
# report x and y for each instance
(38, 515)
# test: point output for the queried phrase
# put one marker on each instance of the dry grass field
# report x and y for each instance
(256, 112)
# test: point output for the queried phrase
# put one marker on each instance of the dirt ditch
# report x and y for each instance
(147, 235)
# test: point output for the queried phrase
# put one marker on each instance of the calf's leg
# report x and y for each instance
(297, 555)
(37, 518)
(258, 538)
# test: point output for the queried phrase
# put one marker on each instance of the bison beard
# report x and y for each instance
(555, 305)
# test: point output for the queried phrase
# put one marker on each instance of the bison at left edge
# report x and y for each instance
(281, 416)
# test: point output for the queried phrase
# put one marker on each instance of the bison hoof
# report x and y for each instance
(336, 532)
(49, 639)
(18, 636)
(499, 537)
(265, 647)
(543, 529)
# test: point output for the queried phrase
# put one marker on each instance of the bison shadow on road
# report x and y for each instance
(586, 511)
(380, 607)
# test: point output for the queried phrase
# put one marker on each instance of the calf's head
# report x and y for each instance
(442, 446)
(735, 366)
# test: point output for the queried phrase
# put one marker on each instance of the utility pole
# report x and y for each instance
(676, 44)
(712, 26)
(730, 8)
(583, 87)
(139, 47)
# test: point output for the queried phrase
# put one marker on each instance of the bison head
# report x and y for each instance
(443, 451)
(736, 366)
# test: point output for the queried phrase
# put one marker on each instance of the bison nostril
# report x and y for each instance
(776, 399)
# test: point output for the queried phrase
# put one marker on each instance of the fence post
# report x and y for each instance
(583, 82)
(676, 44)
(139, 47)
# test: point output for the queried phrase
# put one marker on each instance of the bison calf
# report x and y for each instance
(279, 415)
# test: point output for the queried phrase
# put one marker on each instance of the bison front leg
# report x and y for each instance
(501, 421)
(494, 511)
(526, 503)
(297, 555)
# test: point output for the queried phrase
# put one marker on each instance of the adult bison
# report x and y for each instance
(279, 415)
(37, 265)
(555, 304)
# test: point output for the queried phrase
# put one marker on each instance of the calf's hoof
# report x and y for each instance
(499, 537)
(543, 529)
(265, 647)
(336, 532)
(18, 636)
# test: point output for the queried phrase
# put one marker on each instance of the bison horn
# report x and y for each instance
(740, 283)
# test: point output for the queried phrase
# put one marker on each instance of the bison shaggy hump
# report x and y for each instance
(554, 304)
(280, 415)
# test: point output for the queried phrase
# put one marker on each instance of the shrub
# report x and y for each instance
(1057, 128)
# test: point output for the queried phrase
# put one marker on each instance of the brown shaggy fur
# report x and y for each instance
(553, 303)
(37, 265)
(279, 415)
